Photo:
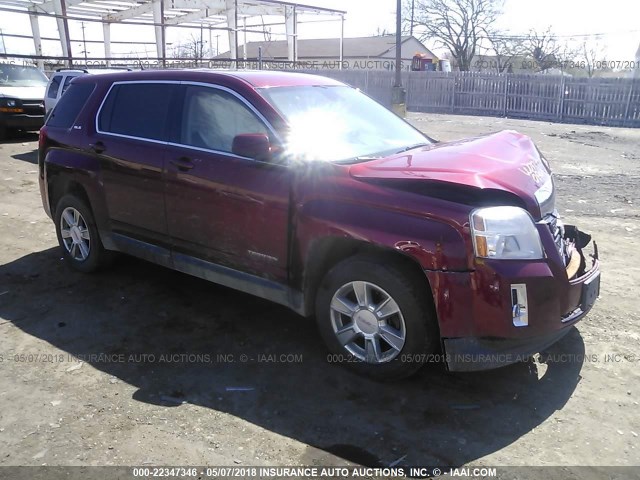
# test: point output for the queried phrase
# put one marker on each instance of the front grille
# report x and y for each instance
(33, 107)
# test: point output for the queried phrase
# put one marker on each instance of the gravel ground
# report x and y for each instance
(142, 365)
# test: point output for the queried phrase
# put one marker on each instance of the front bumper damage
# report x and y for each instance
(517, 309)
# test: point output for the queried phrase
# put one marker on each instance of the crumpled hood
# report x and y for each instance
(506, 160)
(23, 93)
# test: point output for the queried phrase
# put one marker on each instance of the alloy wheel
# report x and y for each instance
(75, 234)
(367, 322)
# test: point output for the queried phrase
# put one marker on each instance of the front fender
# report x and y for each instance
(433, 244)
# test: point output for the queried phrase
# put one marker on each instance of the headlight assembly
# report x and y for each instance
(10, 105)
(505, 233)
(9, 102)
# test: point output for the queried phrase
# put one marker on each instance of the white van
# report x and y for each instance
(60, 80)
(22, 90)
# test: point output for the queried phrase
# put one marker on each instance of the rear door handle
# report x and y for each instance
(184, 164)
(97, 147)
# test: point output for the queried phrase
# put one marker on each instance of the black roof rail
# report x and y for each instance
(75, 69)
(84, 70)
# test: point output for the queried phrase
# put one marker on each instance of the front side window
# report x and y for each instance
(54, 87)
(137, 110)
(213, 117)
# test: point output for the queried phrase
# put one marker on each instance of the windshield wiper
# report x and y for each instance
(360, 159)
(411, 147)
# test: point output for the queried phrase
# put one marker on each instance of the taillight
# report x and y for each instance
(42, 137)
(42, 142)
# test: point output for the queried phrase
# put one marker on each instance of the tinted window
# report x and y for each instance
(213, 117)
(66, 111)
(137, 110)
(54, 87)
(67, 81)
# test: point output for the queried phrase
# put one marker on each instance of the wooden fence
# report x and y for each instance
(595, 101)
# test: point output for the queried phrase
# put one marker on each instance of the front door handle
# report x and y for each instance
(184, 164)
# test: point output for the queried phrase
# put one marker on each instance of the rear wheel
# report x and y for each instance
(376, 317)
(78, 235)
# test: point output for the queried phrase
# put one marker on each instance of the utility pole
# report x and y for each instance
(398, 93)
(200, 55)
(210, 42)
(84, 45)
(413, 6)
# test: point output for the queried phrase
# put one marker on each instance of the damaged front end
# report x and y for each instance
(579, 256)
(520, 307)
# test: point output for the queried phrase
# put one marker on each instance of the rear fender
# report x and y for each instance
(66, 170)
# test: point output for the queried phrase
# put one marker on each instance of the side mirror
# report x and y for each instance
(252, 145)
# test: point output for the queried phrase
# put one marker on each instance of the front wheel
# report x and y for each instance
(377, 316)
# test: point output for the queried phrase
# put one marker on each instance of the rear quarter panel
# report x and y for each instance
(67, 158)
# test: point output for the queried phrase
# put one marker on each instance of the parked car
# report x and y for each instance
(60, 80)
(304, 191)
(21, 98)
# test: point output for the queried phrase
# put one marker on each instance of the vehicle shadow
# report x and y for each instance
(187, 340)
(30, 157)
(18, 136)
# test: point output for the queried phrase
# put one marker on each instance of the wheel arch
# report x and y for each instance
(59, 186)
(326, 253)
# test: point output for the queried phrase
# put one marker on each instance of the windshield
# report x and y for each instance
(339, 123)
(21, 76)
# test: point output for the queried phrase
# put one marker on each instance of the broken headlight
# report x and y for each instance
(505, 233)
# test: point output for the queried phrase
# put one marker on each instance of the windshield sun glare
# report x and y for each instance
(338, 123)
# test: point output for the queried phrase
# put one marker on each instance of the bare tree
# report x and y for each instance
(193, 48)
(459, 25)
(543, 49)
(506, 49)
(381, 32)
(265, 31)
(567, 56)
(591, 53)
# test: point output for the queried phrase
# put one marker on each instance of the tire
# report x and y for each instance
(404, 315)
(3, 133)
(81, 245)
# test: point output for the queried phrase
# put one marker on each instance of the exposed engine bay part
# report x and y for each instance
(557, 232)
(575, 241)
(574, 264)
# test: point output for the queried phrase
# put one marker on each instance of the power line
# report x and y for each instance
(506, 36)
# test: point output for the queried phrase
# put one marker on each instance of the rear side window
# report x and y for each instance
(66, 111)
(54, 87)
(66, 83)
(137, 110)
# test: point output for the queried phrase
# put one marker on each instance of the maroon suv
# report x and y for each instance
(304, 191)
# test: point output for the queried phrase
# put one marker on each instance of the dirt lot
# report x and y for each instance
(112, 369)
